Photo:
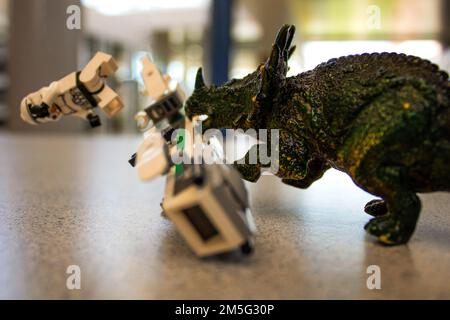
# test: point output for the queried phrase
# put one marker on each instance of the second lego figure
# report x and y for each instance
(208, 203)
(76, 94)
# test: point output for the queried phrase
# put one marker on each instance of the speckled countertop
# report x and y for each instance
(68, 200)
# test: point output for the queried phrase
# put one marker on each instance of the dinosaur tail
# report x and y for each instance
(443, 115)
(440, 173)
(446, 107)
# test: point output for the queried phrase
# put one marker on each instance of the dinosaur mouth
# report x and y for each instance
(206, 122)
(203, 121)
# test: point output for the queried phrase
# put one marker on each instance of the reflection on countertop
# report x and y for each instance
(68, 200)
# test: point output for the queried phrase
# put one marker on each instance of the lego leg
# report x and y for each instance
(397, 226)
(248, 171)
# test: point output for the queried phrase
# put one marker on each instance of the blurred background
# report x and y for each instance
(229, 38)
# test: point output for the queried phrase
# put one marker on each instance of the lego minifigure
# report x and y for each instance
(76, 94)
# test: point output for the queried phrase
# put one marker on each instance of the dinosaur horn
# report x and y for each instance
(199, 82)
(273, 72)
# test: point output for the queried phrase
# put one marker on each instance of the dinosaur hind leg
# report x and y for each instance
(387, 155)
(403, 205)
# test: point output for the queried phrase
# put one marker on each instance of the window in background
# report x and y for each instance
(316, 52)
(348, 19)
(332, 28)
(185, 54)
(170, 32)
(246, 33)
(120, 7)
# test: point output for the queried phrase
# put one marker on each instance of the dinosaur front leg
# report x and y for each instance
(249, 166)
(316, 167)
(397, 226)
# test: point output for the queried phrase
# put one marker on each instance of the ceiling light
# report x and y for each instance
(120, 7)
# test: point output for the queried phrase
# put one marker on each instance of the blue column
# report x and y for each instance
(220, 40)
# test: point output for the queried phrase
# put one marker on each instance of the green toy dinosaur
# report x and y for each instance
(382, 118)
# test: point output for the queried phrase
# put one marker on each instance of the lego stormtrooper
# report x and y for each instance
(207, 203)
(77, 94)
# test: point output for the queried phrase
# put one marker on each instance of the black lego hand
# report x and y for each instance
(132, 160)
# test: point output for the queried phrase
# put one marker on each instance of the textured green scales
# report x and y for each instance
(382, 118)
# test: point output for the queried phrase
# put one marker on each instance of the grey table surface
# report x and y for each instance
(74, 200)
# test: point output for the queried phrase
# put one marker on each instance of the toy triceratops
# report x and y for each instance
(383, 118)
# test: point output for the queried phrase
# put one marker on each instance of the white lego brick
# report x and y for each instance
(109, 101)
(226, 223)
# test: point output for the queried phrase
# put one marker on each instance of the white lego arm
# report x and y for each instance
(110, 102)
(49, 94)
(102, 65)
(155, 84)
(24, 111)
